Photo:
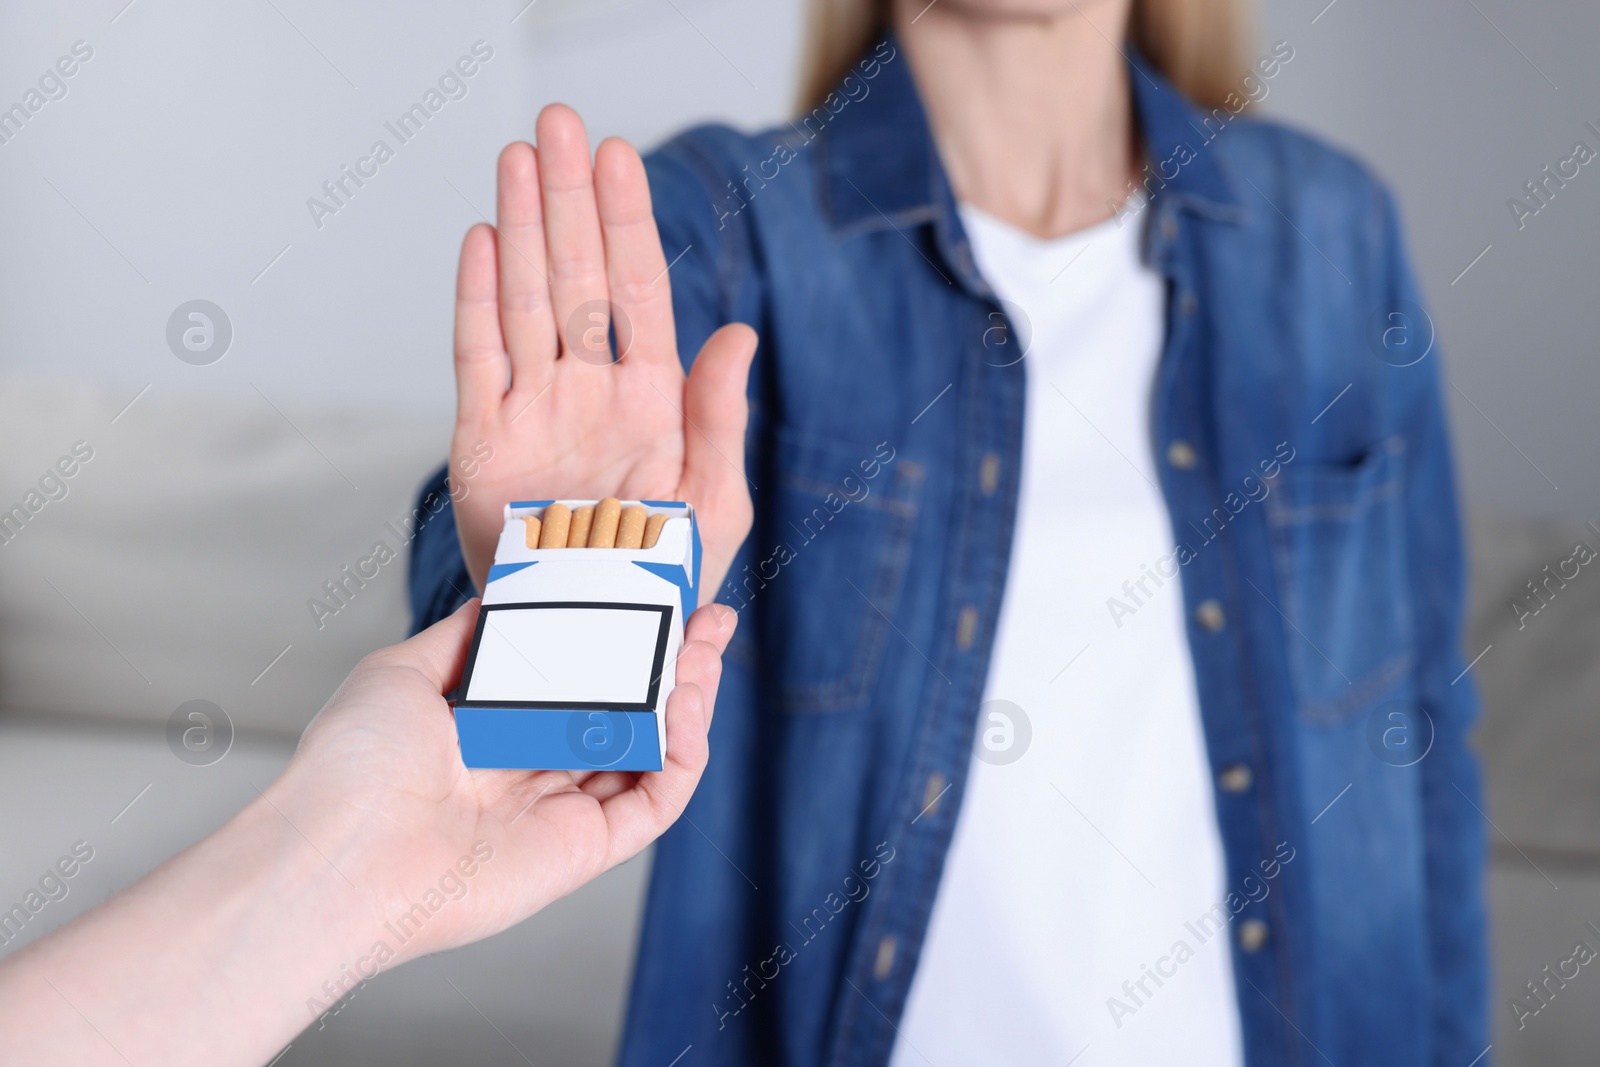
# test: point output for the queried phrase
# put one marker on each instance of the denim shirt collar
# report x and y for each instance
(881, 168)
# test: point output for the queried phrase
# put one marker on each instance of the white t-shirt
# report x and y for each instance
(1080, 866)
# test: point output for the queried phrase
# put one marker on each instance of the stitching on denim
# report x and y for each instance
(878, 502)
(1376, 682)
(893, 557)
(1288, 515)
(1329, 712)
(932, 737)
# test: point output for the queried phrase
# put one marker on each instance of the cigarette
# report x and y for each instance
(607, 514)
(652, 530)
(630, 532)
(557, 519)
(532, 523)
(578, 536)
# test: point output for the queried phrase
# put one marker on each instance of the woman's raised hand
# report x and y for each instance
(576, 247)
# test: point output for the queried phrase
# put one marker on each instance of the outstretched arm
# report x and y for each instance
(374, 847)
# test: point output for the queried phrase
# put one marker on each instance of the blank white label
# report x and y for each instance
(584, 655)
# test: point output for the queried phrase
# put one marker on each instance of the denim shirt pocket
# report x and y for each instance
(1338, 541)
(842, 525)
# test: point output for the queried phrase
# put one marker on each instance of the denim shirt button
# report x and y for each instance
(884, 964)
(989, 473)
(1235, 779)
(967, 627)
(932, 794)
(1187, 303)
(1181, 455)
(1210, 616)
(1169, 227)
(1252, 935)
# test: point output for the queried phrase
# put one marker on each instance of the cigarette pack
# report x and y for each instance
(575, 649)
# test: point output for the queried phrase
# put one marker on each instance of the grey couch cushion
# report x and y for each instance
(182, 558)
(1540, 683)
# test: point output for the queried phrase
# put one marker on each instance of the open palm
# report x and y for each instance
(576, 256)
(383, 752)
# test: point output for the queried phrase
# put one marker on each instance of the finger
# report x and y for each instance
(636, 268)
(576, 251)
(526, 318)
(639, 815)
(699, 663)
(440, 651)
(480, 357)
(603, 785)
(715, 410)
(714, 624)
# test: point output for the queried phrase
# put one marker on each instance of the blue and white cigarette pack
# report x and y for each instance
(576, 648)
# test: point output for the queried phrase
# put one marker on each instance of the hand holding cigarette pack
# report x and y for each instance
(578, 638)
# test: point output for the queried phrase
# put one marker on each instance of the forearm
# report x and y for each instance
(211, 959)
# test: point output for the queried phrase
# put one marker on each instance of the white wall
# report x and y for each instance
(179, 164)
(1448, 100)
(192, 139)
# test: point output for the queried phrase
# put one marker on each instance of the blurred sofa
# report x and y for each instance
(183, 561)
(180, 563)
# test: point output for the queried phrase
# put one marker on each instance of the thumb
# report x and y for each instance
(440, 651)
(716, 409)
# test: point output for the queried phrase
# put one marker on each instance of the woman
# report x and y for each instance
(1103, 574)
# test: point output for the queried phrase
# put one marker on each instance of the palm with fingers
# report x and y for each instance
(575, 246)
(384, 752)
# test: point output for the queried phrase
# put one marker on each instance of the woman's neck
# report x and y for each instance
(1033, 114)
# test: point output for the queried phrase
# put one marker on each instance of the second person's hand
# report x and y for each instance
(535, 379)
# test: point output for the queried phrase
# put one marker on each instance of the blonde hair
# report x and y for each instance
(1199, 45)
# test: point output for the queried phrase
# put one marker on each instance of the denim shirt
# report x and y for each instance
(1308, 477)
